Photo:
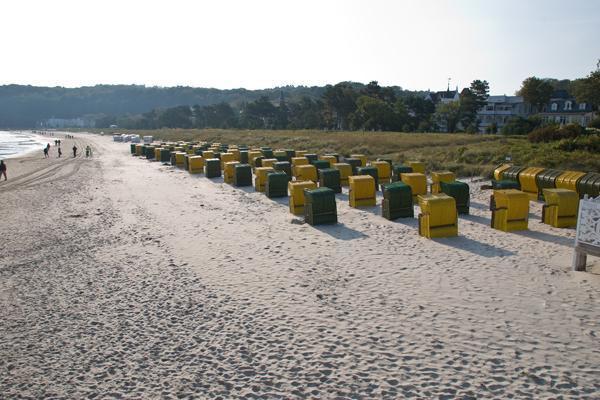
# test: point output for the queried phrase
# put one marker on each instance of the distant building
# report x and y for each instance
(444, 97)
(68, 123)
(563, 109)
(500, 109)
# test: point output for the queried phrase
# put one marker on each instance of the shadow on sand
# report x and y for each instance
(473, 246)
(340, 231)
(546, 237)
(342, 196)
(375, 210)
(475, 218)
(412, 222)
(284, 201)
(480, 206)
(247, 189)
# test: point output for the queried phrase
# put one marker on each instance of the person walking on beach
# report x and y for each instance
(88, 151)
(74, 151)
(59, 152)
(3, 170)
(45, 152)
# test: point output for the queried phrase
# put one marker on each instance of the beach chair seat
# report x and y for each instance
(560, 208)
(510, 210)
(320, 206)
(441, 176)
(242, 175)
(438, 217)
(296, 191)
(362, 191)
(397, 201)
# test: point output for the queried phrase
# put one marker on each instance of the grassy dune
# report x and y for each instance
(467, 155)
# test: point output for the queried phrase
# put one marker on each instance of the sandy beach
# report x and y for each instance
(125, 278)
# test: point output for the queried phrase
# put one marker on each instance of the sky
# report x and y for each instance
(226, 44)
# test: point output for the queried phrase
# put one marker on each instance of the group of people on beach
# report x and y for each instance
(88, 153)
(88, 150)
(51, 133)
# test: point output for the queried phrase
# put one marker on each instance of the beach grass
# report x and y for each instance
(464, 154)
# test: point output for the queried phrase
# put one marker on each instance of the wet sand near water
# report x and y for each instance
(121, 277)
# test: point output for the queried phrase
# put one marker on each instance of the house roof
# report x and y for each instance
(560, 103)
(436, 97)
(447, 94)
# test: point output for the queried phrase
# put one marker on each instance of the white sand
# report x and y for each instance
(121, 277)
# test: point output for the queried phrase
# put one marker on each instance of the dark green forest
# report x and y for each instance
(344, 106)
(23, 106)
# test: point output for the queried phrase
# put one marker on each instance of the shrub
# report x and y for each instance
(571, 131)
(595, 123)
(543, 134)
(520, 126)
(551, 133)
(493, 128)
(589, 143)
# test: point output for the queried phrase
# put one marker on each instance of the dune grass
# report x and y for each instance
(466, 155)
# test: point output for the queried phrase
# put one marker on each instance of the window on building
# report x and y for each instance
(582, 106)
(554, 107)
(489, 108)
(563, 120)
(568, 105)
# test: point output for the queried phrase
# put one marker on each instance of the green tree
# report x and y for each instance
(373, 114)
(176, 117)
(259, 114)
(536, 91)
(447, 116)
(481, 91)
(340, 102)
(306, 114)
(472, 99)
(220, 115)
(373, 89)
(282, 115)
(468, 109)
(588, 89)
(420, 112)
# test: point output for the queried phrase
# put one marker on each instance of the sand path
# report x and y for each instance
(127, 278)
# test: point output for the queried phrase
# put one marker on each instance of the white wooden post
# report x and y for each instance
(587, 238)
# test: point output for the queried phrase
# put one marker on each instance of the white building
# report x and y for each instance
(563, 109)
(68, 123)
(500, 109)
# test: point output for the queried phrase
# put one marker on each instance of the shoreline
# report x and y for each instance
(37, 138)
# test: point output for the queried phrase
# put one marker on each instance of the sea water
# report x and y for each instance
(15, 143)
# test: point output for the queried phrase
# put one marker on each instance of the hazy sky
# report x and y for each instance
(258, 44)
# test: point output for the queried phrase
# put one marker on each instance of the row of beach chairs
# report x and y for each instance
(312, 181)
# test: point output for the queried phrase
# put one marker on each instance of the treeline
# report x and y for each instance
(343, 106)
(24, 106)
(346, 105)
(351, 106)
